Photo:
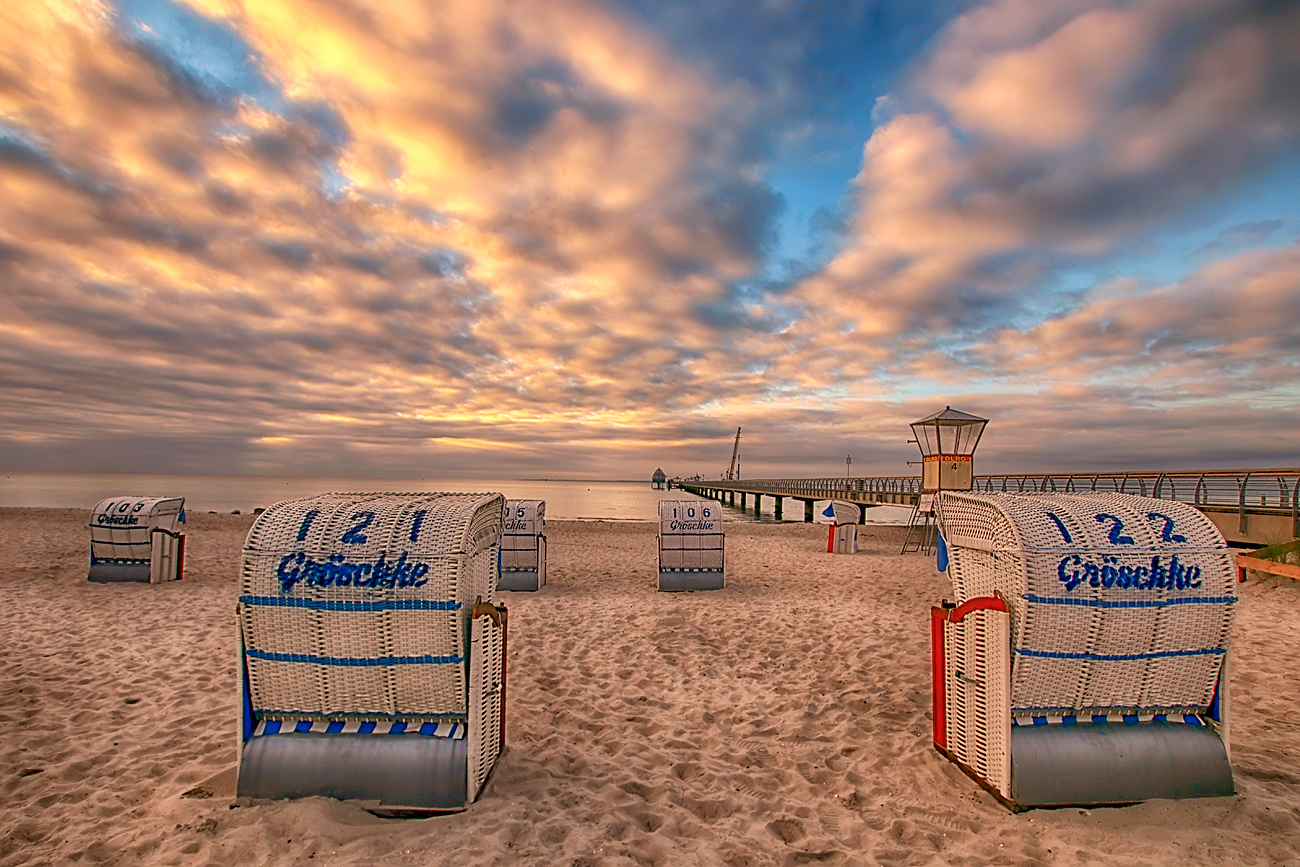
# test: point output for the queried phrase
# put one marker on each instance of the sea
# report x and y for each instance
(566, 499)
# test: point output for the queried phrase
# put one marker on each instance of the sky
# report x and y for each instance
(583, 239)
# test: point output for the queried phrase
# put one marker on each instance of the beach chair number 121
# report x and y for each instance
(354, 536)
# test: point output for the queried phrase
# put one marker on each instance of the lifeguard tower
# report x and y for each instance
(947, 440)
(135, 538)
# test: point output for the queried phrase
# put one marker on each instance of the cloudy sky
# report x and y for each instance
(575, 238)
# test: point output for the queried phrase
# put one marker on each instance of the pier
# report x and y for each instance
(1250, 507)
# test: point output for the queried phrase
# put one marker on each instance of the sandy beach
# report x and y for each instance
(782, 720)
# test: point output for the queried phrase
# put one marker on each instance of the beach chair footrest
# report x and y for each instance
(519, 579)
(692, 579)
(106, 572)
(1116, 763)
(399, 772)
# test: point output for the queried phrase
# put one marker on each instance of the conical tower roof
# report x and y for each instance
(949, 414)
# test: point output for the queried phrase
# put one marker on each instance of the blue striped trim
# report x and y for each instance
(1130, 719)
(347, 661)
(1139, 550)
(371, 718)
(452, 728)
(1128, 603)
(1118, 657)
(330, 605)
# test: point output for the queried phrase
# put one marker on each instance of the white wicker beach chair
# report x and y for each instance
(372, 659)
(1084, 658)
(843, 517)
(691, 545)
(135, 538)
(523, 546)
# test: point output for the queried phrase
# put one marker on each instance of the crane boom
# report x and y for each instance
(734, 472)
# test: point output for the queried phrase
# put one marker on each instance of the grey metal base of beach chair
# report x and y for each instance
(694, 579)
(520, 579)
(396, 772)
(106, 572)
(1116, 763)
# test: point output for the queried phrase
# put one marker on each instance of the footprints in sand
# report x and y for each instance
(781, 721)
(741, 726)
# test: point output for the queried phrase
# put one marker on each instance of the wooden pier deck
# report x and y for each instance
(1251, 507)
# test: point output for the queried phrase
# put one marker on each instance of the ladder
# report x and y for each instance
(921, 531)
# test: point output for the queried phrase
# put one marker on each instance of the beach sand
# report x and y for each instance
(782, 720)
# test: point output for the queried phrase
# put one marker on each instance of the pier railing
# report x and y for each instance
(1271, 494)
(1260, 492)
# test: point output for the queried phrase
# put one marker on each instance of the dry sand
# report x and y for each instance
(783, 720)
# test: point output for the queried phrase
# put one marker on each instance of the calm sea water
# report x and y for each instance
(622, 501)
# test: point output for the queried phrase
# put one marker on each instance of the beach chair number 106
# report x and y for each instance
(353, 535)
(690, 513)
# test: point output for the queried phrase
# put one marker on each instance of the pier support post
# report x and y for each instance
(779, 500)
(742, 499)
(807, 511)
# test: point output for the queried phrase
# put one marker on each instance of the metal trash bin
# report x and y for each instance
(523, 546)
(135, 538)
(691, 545)
(371, 655)
(1084, 658)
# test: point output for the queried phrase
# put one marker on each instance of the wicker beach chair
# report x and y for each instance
(691, 545)
(523, 546)
(135, 538)
(372, 659)
(1084, 658)
(843, 517)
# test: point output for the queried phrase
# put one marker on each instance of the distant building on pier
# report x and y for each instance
(659, 478)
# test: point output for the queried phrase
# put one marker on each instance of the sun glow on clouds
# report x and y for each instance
(384, 232)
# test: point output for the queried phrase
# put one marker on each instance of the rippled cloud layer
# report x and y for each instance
(554, 239)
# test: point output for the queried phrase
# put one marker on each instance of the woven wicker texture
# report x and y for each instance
(120, 526)
(978, 718)
(486, 676)
(691, 535)
(1118, 603)
(356, 605)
